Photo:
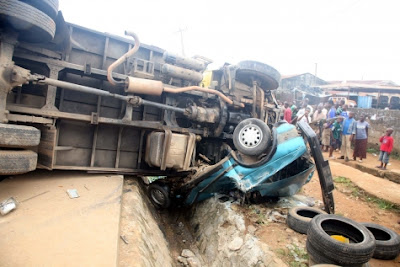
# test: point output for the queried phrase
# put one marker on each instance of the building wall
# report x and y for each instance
(379, 121)
(302, 80)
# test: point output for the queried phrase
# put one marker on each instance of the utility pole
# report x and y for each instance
(181, 32)
(315, 74)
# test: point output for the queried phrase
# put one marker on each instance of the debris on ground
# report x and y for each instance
(188, 258)
(8, 205)
(72, 193)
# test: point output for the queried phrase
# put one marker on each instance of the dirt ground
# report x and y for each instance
(278, 236)
(371, 160)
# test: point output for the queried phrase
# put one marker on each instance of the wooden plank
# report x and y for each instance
(47, 147)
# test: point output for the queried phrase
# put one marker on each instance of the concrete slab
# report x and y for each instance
(373, 185)
(48, 228)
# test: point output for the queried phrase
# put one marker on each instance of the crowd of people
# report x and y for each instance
(337, 129)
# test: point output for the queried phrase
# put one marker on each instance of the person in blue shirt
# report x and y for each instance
(332, 110)
(344, 113)
(348, 129)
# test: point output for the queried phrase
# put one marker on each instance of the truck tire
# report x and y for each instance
(387, 241)
(267, 77)
(299, 218)
(48, 7)
(18, 136)
(159, 196)
(252, 137)
(321, 246)
(17, 162)
(32, 24)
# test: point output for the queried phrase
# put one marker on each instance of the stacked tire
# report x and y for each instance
(34, 20)
(15, 155)
(322, 248)
(333, 239)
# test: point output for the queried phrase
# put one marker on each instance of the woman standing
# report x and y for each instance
(360, 134)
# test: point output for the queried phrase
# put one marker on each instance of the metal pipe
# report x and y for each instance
(262, 97)
(162, 106)
(254, 99)
(123, 58)
(201, 89)
(81, 88)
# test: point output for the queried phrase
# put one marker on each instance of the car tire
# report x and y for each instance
(48, 7)
(299, 218)
(32, 24)
(324, 249)
(18, 136)
(17, 161)
(252, 137)
(387, 241)
(159, 196)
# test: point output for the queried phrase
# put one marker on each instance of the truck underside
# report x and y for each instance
(104, 103)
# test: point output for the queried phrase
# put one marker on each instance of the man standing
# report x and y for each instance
(345, 113)
(288, 112)
(348, 129)
(332, 109)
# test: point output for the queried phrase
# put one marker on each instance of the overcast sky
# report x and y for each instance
(348, 39)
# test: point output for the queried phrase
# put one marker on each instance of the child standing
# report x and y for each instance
(335, 136)
(386, 148)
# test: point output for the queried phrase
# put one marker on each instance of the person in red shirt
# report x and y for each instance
(288, 112)
(386, 148)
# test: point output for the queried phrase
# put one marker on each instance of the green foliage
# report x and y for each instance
(298, 256)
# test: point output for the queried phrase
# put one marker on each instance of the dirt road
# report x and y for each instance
(278, 236)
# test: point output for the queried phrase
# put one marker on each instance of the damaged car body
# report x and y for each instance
(104, 103)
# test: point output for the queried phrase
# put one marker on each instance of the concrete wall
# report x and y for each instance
(380, 120)
(224, 239)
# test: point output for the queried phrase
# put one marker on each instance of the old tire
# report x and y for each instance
(32, 24)
(299, 218)
(324, 249)
(387, 241)
(252, 137)
(159, 196)
(18, 136)
(48, 7)
(17, 162)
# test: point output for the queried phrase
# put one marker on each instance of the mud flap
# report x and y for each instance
(324, 171)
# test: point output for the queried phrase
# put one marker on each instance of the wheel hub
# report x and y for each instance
(157, 196)
(250, 136)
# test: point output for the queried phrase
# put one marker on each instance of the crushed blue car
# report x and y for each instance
(281, 171)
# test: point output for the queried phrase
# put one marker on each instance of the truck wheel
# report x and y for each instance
(48, 7)
(299, 218)
(18, 135)
(252, 137)
(32, 24)
(320, 244)
(387, 241)
(268, 78)
(17, 162)
(159, 196)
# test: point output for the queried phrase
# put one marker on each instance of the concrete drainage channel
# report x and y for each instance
(208, 234)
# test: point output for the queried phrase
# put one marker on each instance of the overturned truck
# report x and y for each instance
(76, 99)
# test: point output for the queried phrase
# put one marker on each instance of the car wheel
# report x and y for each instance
(299, 218)
(18, 135)
(32, 24)
(17, 161)
(325, 249)
(387, 241)
(252, 137)
(159, 196)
